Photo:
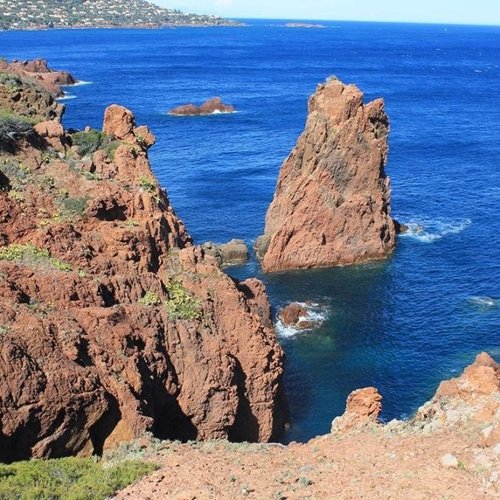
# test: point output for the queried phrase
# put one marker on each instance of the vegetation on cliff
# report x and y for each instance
(36, 14)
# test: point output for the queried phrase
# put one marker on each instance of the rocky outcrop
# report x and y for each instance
(332, 201)
(210, 107)
(112, 322)
(363, 408)
(39, 71)
(27, 99)
(232, 252)
(473, 397)
(296, 315)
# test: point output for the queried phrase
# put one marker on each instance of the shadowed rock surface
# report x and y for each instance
(332, 201)
(112, 322)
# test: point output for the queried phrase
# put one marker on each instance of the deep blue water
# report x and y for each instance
(402, 325)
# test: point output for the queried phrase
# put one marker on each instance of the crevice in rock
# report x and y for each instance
(246, 425)
(103, 428)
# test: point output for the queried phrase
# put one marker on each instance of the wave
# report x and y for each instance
(66, 97)
(219, 112)
(79, 83)
(316, 315)
(428, 231)
(484, 301)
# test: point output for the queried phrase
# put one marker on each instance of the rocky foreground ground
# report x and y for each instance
(449, 450)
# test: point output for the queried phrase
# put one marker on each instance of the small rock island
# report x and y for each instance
(212, 106)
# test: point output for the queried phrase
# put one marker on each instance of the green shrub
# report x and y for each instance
(150, 299)
(181, 304)
(16, 196)
(146, 183)
(88, 142)
(12, 82)
(32, 255)
(68, 478)
(93, 140)
(110, 147)
(76, 205)
(14, 128)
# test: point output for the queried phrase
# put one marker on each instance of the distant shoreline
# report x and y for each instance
(228, 24)
(134, 27)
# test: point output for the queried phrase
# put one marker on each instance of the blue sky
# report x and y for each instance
(446, 11)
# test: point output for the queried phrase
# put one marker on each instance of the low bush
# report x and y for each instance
(146, 184)
(88, 142)
(32, 255)
(12, 82)
(181, 304)
(150, 299)
(75, 205)
(68, 478)
(91, 141)
(14, 128)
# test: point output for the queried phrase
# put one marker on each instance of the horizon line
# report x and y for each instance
(311, 20)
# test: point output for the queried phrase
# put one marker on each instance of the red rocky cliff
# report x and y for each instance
(39, 71)
(332, 201)
(112, 322)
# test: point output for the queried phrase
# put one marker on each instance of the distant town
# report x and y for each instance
(42, 14)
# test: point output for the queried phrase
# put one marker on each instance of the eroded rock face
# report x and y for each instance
(112, 322)
(210, 107)
(332, 201)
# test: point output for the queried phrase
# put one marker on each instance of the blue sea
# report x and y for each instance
(402, 325)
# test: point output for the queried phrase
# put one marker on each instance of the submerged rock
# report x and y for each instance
(332, 201)
(234, 252)
(296, 315)
(210, 107)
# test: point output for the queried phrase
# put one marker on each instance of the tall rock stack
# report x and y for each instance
(332, 201)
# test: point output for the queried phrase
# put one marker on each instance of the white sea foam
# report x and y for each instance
(316, 315)
(79, 83)
(484, 301)
(219, 112)
(215, 112)
(66, 97)
(428, 231)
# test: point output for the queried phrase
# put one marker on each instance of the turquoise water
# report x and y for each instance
(401, 325)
